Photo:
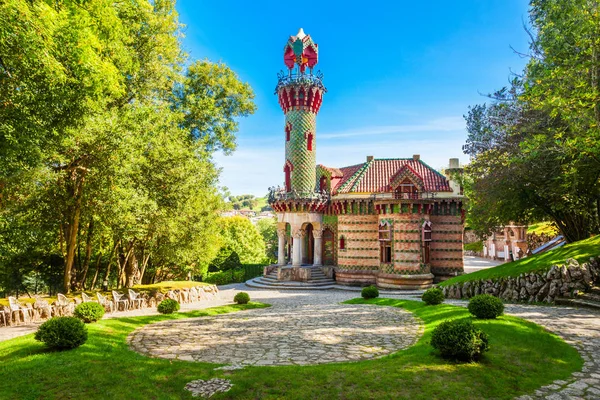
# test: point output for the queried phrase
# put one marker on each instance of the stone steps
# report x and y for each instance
(275, 282)
(289, 285)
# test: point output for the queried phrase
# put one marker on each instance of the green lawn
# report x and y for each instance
(581, 251)
(523, 357)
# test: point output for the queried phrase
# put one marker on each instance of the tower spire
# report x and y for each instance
(300, 94)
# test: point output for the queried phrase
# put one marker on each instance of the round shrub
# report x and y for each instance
(485, 306)
(62, 333)
(242, 298)
(89, 312)
(369, 292)
(168, 306)
(459, 340)
(433, 296)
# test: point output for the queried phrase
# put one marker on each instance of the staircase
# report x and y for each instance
(318, 281)
(590, 299)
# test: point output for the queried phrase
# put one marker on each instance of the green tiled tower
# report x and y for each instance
(300, 95)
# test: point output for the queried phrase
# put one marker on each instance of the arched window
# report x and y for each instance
(309, 141)
(323, 183)
(288, 131)
(385, 242)
(288, 176)
(426, 242)
(342, 243)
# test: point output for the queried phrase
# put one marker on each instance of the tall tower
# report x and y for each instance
(300, 95)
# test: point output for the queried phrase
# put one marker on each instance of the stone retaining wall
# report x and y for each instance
(541, 286)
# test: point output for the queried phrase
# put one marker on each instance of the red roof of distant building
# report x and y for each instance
(374, 176)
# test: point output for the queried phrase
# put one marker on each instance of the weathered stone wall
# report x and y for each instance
(542, 286)
(446, 246)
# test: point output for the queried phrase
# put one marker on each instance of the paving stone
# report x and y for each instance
(284, 334)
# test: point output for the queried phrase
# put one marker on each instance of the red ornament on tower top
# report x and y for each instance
(301, 50)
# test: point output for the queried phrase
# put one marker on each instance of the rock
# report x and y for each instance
(208, 388)
(543, 292)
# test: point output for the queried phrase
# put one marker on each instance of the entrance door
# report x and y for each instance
(328, 247)
(310, 245)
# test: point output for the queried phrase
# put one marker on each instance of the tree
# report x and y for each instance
(240, 236)
(119, 168)
(535, 148)
(268, 230)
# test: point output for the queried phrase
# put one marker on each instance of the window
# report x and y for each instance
(385, 242)
(322, 183)
(288, 177)
(426, 241)
(288, 130)
(309, 141)
(406, 190)
(342, 243)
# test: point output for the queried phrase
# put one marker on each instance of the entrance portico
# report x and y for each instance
(306, 236)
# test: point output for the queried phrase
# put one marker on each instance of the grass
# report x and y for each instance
(581, 251)
(547, 228)
(523, 357)
(475, 246)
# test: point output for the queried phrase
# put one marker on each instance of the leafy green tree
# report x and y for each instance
(535, 148)
(268, 230)
(240, 236)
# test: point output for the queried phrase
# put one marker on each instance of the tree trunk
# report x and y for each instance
(75, 189)
(96, 273)
(110, 259)
(88, 253)
(131, 270)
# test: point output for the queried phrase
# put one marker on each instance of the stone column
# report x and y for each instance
(281, 248)
(297, 255)
(318, 259)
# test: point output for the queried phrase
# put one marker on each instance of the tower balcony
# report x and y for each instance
(293, 201)
(300, 91)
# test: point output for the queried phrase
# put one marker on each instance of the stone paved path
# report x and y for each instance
(283, 335)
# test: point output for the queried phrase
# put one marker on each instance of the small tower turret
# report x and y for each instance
(300, 95)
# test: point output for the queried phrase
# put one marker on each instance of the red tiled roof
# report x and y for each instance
(375, 176)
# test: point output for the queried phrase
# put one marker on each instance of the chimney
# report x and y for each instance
(369, 158)
(416, 157)
(454, 163)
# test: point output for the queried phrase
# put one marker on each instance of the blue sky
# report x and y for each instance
(400, 75)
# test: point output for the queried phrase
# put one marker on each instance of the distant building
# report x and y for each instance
(508, 243)
(391, 222)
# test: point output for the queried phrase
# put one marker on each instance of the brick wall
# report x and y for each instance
(447, 245)
(361, 241)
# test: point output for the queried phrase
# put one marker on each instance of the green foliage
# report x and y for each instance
(62, 333)
(241, 298)
(542, 228)
(534, 149)
(475, 246)
(89, 312)
(225, 260)
(369, 292)
(459, 340)
(168, 306)
(226, 277)
(239, 236)
(119, 169)
(486, 306)
(580, 251)
(268, 230)
(433, 296)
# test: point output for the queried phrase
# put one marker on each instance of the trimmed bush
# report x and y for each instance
(459, 340)
(62, 333)
(433, 296)
(369, 292)
(89, 312)
(242, 298)
(168, 306)
(486, 306)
